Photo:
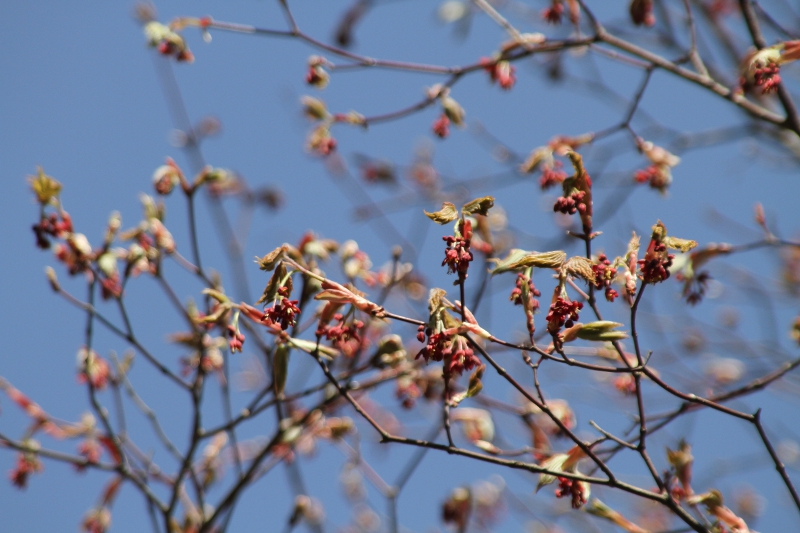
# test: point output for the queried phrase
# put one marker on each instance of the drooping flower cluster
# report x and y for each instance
(654, 268)
(441, 126)
(761, 68)
(516, 293)
(284, 312)
(604, 274)
(90, 450)
(457, 255)
(167, 41)
(27, 464)
(553, 13)
(767, 77)
(563, 312)
(573, 489)
(577, 193)
(316, 74)
(453, 350)
(93, 369)
(552, 175)
(54, 225)
(341, 332)
(570, 204)
(236, 342)
(659, 174)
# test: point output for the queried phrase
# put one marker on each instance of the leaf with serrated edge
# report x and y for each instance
(581, 267)
(478, 206)
(445, 215)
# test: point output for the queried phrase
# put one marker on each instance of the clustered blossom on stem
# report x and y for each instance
(236, 342)
(562, 313)
(284, 312)
(570, 204)
(457, 255)
(54, 225)
(577, 193)
(604, 274)
(341, 332)
(90, 450)
(552, 175)
(93, 369)
(316, 75)
(543, 157)
(553, 13)
(761, 68)
(516, 293)
(167, 41)
(573, 489)
(27, 463)
(501, 72)
(97, 520)
(167, 176)
(654, 268)
(659, 174)
(441, 126)
(452, 112)
(452, 349)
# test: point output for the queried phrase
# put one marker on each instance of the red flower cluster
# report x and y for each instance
(553, 14)
(90, 450)
(457, 255)
(572, 488)
(455, 351)
(767, 77)
(563, 312)
(571, 204)
(441, 126)
(626, 384)
(655, 176)
(516, 293)
(340, 332)
(604, 274)
(654, 268)
(501, 72)
(236, 342)
(552, 175)
(284, 312)
(27, 463)
(110, 287)
(52, 226)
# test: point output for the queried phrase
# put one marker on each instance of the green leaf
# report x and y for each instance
(478, 206)
(445, 215)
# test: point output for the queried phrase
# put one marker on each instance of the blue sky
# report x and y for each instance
(82, 98)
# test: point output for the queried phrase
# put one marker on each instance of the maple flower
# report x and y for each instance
(441, 126)
(93, 368)
(457, 255)
(553, 13)
(284, 311)
(563, 312)
(501, 72)
(573, 489)
(236, 341)
(604, 274)
(27, 463)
